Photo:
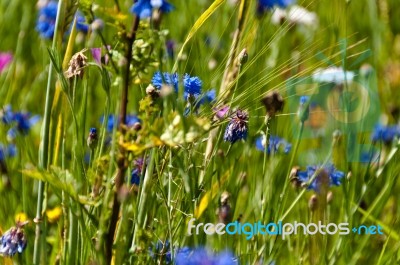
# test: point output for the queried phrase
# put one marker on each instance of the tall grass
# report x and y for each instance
(79, 199)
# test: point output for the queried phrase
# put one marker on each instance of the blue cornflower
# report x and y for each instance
(370, 156)
(237, 127)
(161, 249)
(47, 20)
(92, 138)
(21, 121)
(132, 120)
(170, 45)
(265, 5)
(304, 108)
(113, 120)
(334, 176)
(137, 171)
(275, 144)
(6, 114)
(24, 121)
(13, 241)
(385, 133)
(208, 97)
(7, 151)
(81, 24)
(192, 85)
(144, 8)
(199, 256)
(167, 79)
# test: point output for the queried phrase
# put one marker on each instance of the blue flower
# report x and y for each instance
(275, 144)
(165, 79)
(21, 121)
(385, 133)
(7, 151)
(304, 108)
(92, 138)
(265, 5)
(144, 8)
(6, 114)
(200, 256)
(112, 121)
(81, 24)
(13, 241)
(192, 85)
(170, 45)
(334, 176)
(206, 98)
(137, 171)
(24, 121)
(47, 20)
(237, 127)
(161, 249)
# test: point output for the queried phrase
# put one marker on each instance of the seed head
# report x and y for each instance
(273, 102)
(76, 65)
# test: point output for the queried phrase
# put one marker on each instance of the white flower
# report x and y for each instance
(278, 16)
(296, 15)
(300, 15)
(333, 75)
(156, 3)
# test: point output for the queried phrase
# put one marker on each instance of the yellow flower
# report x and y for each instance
(21, 217)
(54, 214)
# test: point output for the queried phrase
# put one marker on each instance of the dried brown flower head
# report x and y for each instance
(273, 102)
(76, 65)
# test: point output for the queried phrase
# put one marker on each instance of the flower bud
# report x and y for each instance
(304, 108)
(243, 57)
(313, 203)
(273, 103)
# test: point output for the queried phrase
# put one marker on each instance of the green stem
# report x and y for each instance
(143, 198)
(170, 207)
(119, 179)
(40, 232)
(283, 196)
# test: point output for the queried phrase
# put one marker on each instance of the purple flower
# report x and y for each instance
(221, 112)
(97, 55)
(137, 171)
(13, 241)
(5, 60)
(237, 127)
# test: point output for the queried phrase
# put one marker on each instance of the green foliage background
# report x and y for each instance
(350, 34)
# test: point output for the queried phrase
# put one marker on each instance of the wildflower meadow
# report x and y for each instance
(199, 132)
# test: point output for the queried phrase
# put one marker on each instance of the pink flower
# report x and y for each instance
(97, 55)
(5, 60)
(221, 112)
